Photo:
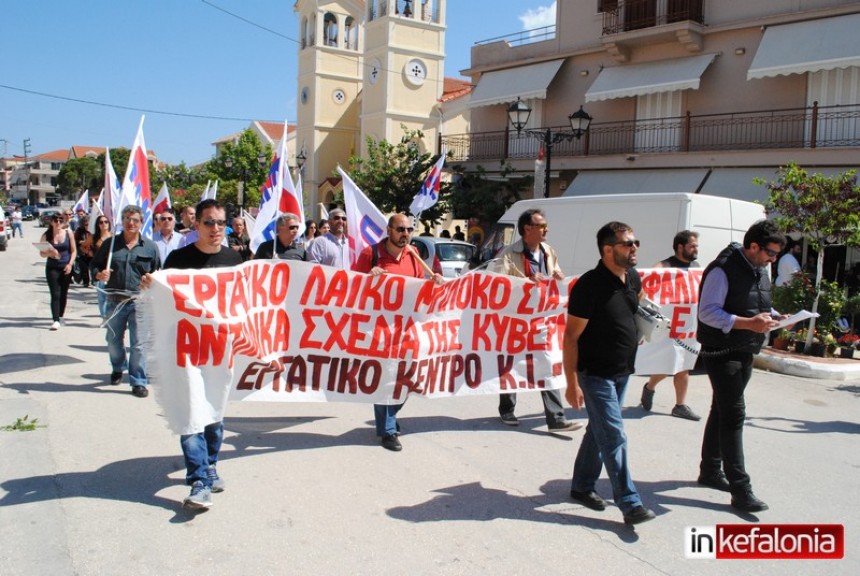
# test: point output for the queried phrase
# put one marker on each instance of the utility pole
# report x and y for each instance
(27, 165)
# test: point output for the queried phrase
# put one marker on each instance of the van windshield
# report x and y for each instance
(500, 236)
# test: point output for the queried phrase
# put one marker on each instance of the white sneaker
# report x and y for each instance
(55, 326)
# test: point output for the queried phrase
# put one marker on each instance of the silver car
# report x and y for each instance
(447, 257)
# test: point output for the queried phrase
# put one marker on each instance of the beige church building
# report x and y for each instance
(369, 69)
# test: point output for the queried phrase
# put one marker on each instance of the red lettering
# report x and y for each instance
(180, 299)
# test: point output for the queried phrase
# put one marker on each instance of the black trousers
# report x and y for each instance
(58, 286)
(552, 408)
(723, 442)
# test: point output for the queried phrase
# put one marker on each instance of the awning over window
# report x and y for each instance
(738, 183)
(588, 183)
(649, 78)
(809, 46)
(503, 86)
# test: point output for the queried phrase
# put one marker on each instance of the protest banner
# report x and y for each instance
(294, 331)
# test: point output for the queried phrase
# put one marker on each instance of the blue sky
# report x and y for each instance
(180, 56)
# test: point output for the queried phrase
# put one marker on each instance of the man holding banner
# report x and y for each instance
(392, 255)
(201, 449)
(686, 244)
(531, 257)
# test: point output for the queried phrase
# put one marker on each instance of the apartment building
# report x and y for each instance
(683, 95)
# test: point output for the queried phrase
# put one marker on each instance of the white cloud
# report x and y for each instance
(539, 17)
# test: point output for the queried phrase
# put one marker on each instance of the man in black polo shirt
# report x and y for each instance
(600, 343)
(283, 246)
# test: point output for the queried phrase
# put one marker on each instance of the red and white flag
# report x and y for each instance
(110, 194)
(162, 201)
(429, 193)
(135, 185)
(366, 224)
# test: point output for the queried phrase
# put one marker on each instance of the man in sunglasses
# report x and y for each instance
(133, 256)
(332, 248)
(283, 246)
(600, 343)
(201, 449)
(735, 316)
(531, 257)
(392, 255)
(165, 236)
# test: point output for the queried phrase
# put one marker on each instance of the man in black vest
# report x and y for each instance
(735, 315)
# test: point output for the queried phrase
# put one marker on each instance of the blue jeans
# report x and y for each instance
(102, 296)
(16, 226)
(386, 418)
(201, 451)
(605, 443)
(121, 317)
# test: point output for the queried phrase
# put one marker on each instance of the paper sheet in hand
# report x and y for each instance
(794, 319)
(42, 246)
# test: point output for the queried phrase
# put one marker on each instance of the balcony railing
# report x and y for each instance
(523, 37)
(624, 15)
(811, 127)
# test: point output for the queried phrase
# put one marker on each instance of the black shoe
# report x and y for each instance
(509, 419)
(647, 397)
(589, 499)
(565, 426)
(716, 481)
(747, 502)
(115, 378)
(638, 515)
(390, 442)
(139, 391)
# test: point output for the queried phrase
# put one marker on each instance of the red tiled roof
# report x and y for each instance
(454, 88)
(275, 130)
(53, 155)
(81, 151)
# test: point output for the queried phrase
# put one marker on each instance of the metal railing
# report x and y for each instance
(523, 37)
(799, 128)
(626, 15)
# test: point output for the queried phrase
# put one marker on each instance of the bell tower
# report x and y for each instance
(403, 69)
(329, 81)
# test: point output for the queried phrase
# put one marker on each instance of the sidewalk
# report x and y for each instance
(783, 362)
(98, 491)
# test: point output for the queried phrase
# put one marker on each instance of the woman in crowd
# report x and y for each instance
(322, 228)
(84, 243)
(103, 233)
(310, 233)
(58, 267)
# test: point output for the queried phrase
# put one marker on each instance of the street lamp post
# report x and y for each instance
(240, 194)
(518, 114)
(301, 158)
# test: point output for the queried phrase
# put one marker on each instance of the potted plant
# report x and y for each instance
(829, 343)
(782, 339)
(848, 342)
(800, 340)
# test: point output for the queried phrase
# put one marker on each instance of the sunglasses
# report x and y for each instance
(543, 226)
(210, 222)
(131, 220)
(294, 227)
(402, 229)
(771, 253)
(57, 219)
(166, 219)
(338, 218)
(103, 222)
(626, 243)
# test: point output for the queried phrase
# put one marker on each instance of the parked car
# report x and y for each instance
(45, 216)
(446, 257)
(29, 212)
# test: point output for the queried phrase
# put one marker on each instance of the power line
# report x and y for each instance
(245, 20)
(122, 107)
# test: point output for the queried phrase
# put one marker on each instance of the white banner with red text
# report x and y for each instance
(287, 331)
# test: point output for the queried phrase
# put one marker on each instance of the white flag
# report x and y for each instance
(366, 224)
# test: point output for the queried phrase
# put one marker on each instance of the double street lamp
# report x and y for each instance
(518, 114)
(240, 195)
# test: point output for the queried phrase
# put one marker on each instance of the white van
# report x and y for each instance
(655, 219)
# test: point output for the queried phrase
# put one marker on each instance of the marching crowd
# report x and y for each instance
(735, 314)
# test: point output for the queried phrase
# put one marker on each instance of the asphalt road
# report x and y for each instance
(97, 490)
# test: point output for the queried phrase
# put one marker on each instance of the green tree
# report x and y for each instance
(119, 159)
(473, 195)
(825, 209)
(79, 174)
(392, 174)
(244, 158)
